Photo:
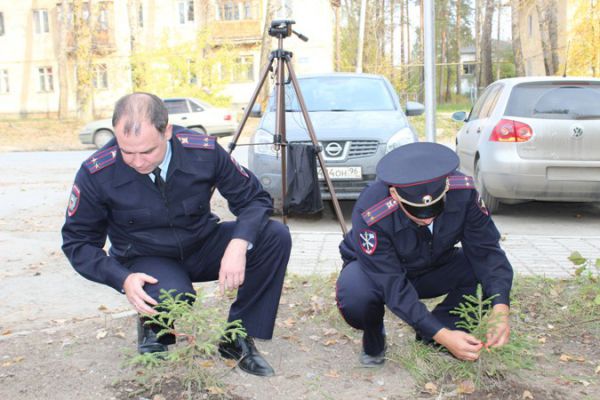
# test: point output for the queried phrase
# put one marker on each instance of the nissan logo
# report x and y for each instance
(576, 132)
(333, 149)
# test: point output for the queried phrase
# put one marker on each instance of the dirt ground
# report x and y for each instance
(313, 352)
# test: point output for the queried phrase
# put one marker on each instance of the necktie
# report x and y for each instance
(158, 180)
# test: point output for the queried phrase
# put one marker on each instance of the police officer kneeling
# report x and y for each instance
(402, 248)
(149, 192)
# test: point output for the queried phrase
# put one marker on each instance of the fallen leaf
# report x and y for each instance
(466, 387)
(290, 322)
(431, 388)
(330, 332)
(214, 390)
(584, 383)
(329, 342)
(103, 308)
(230, 363)
(6, 332)
(332, 373)
(315, 338)
(597, 372)
(568, 358)
(120, 334)
(102, 333)
(527, 395)
(542, 340)
(207, 364)
(158, 397)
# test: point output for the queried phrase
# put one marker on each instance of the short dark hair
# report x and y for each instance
(139, 107)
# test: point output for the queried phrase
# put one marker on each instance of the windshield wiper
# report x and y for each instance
(551, 111)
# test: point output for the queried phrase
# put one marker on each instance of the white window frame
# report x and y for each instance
(46, 79)
(2, 31)
(183, 12)
(100, 76)
(40, 21)
(4, 82)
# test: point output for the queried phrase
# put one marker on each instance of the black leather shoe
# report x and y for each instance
(244, 351)
(147, 340)
(371, 361)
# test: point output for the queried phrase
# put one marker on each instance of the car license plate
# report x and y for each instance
(341, 173)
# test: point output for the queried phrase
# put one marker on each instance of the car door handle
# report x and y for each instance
(478, 129)
(183, 117)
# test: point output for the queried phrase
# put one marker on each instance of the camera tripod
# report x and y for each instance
(282, 29)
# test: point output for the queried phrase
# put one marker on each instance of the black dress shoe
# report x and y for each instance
(371, 361)
(147, 340)
(244, 351)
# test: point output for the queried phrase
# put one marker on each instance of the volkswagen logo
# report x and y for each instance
(576, 131)
(333, 149)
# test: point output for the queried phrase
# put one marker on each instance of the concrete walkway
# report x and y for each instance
(317, 252)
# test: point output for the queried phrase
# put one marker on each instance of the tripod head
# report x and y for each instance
(282, 28)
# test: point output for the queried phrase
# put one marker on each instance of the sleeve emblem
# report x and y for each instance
(240, 169)
(481, 205)
(73, 200)
(368, 241)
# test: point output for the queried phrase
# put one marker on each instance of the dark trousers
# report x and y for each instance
(361, 303)
(257, 299)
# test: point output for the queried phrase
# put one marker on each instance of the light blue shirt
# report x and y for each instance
(164, 165)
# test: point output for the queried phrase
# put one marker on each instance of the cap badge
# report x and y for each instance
(427, 199)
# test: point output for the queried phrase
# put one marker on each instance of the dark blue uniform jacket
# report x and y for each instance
(402, 250)
(111, 198)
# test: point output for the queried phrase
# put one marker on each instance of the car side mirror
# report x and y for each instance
(413, 109)
(256, 111)
(459, 116)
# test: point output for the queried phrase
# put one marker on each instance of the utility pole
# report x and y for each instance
(361, 36)
(429, 53)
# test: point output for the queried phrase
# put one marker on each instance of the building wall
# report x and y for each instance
(25, 51)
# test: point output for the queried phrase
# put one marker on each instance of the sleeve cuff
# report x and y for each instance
(428, 327)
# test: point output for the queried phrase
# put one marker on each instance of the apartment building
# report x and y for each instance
(38, 68)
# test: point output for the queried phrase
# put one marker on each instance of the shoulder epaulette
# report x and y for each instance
(461, 182)
(380, 210)
(196, 140)
(101, 159)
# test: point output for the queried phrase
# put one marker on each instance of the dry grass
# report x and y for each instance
(40, 135)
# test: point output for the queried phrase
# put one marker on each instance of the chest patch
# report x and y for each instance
(74, 198)
(368, 241)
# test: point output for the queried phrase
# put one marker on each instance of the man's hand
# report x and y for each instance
(461, 344)
(499, 331)
(134, 290)
(233, 265)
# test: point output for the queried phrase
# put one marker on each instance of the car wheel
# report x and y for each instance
(102, 137)
(491, 203)
(198, 129)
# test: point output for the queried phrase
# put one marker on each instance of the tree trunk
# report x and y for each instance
(392, 27)
(132, 16)
(515, 6)
(547, 26)
(401, 24)
(63, 69)
(83, 58)
(338, 39)
(265, 51)
(551, 18)
(457, 35)
(440, 70)
(487, 75)
(478, 60)
(422, 53)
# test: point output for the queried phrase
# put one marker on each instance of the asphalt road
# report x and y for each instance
(39, 289)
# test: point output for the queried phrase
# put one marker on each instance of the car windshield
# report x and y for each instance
(339, 94)
(176, 106)
(555, 100)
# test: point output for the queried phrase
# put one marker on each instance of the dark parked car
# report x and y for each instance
(357, 120)
(533, 138)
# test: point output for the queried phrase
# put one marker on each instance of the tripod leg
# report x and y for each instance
(313, 138)
(263, 77)
(280, 133)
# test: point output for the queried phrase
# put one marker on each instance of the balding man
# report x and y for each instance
(148, 191)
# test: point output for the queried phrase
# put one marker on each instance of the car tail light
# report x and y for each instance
(508, 130)
(227, 117)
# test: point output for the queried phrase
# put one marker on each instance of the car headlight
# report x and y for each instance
(267, 149)
(400, 138)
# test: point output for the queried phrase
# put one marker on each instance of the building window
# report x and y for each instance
(100, 76)
(141, 16)
(530, 25)
(4, 81)
(468, 69)
(40, 21)
(243, 70)
(103, 17)
(1, 24)
(186, 11)
(230, 10)
(46, 79)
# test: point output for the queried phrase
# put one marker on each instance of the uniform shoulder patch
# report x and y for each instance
(368, 241)
(101, 159)
(460, 182)
(379, 211)
(194, 140)
(74, 198)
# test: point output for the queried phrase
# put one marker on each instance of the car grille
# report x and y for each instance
(347, 186)
(358, 148)
(362, 148)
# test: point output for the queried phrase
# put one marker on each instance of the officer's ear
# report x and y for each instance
(168, 132)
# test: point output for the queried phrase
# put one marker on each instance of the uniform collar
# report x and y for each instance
(124, 173)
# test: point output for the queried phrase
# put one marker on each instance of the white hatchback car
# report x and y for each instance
(533, 138)
(187, 112)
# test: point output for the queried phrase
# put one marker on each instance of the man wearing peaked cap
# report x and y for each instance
(403, 247)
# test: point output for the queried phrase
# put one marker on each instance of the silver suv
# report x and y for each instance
(357, 120)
